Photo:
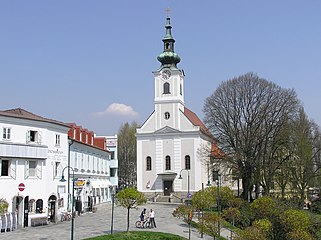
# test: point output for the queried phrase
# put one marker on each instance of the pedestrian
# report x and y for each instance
(142, 217)
(152, 218)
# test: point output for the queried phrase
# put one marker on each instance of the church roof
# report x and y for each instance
(197, 122)
(23, 114)
(216, 152)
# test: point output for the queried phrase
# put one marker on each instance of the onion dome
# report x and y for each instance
(168, 57)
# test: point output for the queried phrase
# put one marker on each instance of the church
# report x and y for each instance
(169, 141)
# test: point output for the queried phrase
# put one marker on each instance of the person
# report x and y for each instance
(142, 216)
(152, 218)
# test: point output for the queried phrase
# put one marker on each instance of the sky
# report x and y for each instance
(91, 62)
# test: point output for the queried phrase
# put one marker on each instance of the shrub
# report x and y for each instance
(3, 206)
(265, 226)
(299, 235)
(264, 207)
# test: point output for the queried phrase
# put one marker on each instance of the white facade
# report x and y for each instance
(91, 166)
(169, 141)
(111, 144)
(33, 150)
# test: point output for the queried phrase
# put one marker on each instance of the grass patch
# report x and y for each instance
(139, 235)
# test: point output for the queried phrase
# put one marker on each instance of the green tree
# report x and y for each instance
(209, 222)
(130, 198)
(302, 161)
(127, 159)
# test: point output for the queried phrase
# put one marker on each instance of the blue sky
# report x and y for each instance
(91, 62)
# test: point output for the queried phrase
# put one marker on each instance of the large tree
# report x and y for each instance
(127, 155)
(245, 114)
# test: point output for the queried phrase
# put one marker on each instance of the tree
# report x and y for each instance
(245, 114)
(130, 198)
(127, 158)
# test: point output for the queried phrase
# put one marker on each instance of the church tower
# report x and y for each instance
(169, 84)
(168, 142)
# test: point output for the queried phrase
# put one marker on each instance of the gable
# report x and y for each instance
(167, 130)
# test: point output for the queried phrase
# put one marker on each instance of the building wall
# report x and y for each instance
(44, 151)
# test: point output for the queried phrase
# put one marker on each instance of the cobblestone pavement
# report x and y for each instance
(99, 223)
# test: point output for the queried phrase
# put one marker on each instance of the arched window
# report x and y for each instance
(166, 88)
(167, 163)
(187, 162)
(39, 206)
(148, 163)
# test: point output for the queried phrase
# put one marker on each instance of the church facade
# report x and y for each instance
(169, 141)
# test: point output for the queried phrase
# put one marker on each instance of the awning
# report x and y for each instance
(167, 175)
(100, 183)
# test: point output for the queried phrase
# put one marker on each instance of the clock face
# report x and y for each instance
(166, 74)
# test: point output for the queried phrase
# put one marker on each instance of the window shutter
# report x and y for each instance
(38, 140)
(26, 169)
(28, 136)
(13, 167)
(39, 170)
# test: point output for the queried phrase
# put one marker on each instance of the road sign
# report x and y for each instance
(189, 195)
(21, 187)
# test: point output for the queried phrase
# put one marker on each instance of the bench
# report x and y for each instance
(40, 221)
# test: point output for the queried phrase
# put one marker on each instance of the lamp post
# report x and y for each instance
(217, 178)
(72, 198)
(188, 196)
(112, 210)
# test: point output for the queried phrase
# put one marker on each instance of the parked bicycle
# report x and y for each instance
(143, 224)
(65, 216)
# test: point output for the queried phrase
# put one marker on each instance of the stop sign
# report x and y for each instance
(21, 187)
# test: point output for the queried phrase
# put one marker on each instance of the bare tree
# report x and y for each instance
(127, 155)
(245, 114)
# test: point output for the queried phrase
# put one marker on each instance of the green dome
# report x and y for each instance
(168, 57)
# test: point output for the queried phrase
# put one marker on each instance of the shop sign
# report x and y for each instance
(80, 183)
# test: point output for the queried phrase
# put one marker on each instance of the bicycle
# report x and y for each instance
(65, 216)
(144, 224)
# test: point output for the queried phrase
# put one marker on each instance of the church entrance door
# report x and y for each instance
(168, 187)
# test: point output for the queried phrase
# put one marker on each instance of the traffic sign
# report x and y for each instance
(21, 187)
(189, 195)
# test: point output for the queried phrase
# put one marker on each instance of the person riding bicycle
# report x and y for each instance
(143, 216)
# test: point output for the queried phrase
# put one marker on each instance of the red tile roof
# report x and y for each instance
(197, 122)
(216, 152)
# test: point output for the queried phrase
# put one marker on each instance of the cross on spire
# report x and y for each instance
(168, 11)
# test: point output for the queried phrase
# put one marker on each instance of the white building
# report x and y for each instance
(91, 163)
(169, 140)
(33, 150)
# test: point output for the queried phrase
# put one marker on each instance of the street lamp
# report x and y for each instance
(72, 200)
(188, 196)
(112, 210)
(217, 178)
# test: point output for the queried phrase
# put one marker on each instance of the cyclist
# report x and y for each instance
(143, 216)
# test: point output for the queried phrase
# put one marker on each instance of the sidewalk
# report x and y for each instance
(99, 223)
